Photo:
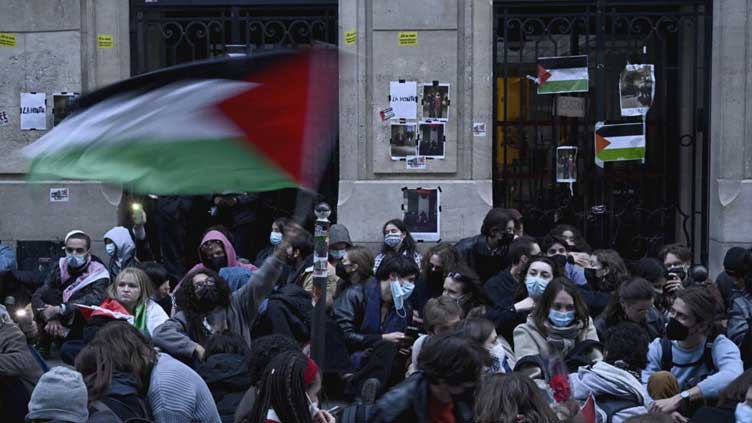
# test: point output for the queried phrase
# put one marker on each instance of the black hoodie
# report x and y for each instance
(228, 379)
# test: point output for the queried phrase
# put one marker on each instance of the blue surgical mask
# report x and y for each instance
(561, 319)
(743, 413)
(535, 286)
(110, 248)
(75, 261)
(392, 240)
(400, 292)
(337, 254)
(275, 238)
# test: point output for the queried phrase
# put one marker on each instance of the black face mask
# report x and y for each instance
(592, 276)
(560, 260)
(215, 263)
(342, 272)
(208, 298)
(506, 238)
(676, 331)
(436, 275)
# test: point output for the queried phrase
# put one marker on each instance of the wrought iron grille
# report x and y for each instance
(630, 206)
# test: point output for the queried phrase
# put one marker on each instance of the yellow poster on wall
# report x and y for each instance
(408, 39)
(7, 40)
(351, 37)
(105, 41)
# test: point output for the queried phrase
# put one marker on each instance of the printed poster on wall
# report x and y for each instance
(403, 99)
(33, 111)
(422, 213)
(636, 89)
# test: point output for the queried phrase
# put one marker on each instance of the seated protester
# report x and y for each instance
(440, 315)
(174, 392)
(262, 351)
(288, 392)
(557, 250)
(737, 266)
(226, 372)
(275, 237)
(373, 318)
(160, 284)
(615, 382)
(573, 237)
(633, 302)
(487, 253)
(339, 240)
(355, 268)
(652, 271)
(502, 287)
(397, 240)
(19, 370)
(535, 277)
(60, 396)
(734, 404)
(738, 322)
(700, 361)
(207, 306)
(463, 286)
(676, 260)
(500, 352)
(559, 324)
(450, 367)
(120, 247)
(288, 311)
(433, 271)
(511, 398)
(299, 258)
(79, 278)
(129, 298)
(216, 252)
(606, 271)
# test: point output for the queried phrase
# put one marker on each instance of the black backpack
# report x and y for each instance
(667, 360)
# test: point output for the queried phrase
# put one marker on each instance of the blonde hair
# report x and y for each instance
(143, 282)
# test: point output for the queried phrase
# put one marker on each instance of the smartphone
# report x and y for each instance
(412, 332)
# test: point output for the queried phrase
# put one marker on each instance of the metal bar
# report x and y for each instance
(600, 115)
(494, 108)
(708, 38)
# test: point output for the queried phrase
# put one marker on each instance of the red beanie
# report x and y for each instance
(310, 372)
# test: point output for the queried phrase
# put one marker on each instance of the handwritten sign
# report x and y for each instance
(351, 37)
(403, 99)
(570, 106)
(105, 41)
(408, 39)
(7, 40)
(33, 111)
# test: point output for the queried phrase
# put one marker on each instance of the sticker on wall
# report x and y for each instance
(416, 163)
(564, 74)
(3, 118)
(351, 37)
(386, 114)
(479, 129)
(614, 143)
(407, 39)
(7, 40)
(422, 213)
(59, 195)
(403, 141)
(33, 111)
(431, 139)
(636, 89)
(436, 101)
(403, 99)
(105, 41)
(63, 104)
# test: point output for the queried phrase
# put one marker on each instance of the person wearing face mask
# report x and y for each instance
(207, 306)
(373, 318)
(120, 247)
(339, 241)
(275, 238)
(535, 276)
(633, 302)
(449, 369)
(502, 286)
(487, 253)
(433, 271)
(558, 324)
(482, 331)
(79, 278)
(558, 250)
(355, 268)
(737, 267)
(605, 271)
(652, 271)
(397, 239)
(676, 261)
(463, 286)
(694, 362)
(216, 252)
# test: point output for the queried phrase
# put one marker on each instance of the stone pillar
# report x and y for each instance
(730, 200)
(455, 47)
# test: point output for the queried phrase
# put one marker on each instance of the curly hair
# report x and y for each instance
(187, 301)
(447, 254)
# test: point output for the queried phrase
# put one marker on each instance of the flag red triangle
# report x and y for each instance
(543, 75)
(600, 143)
(588, 410)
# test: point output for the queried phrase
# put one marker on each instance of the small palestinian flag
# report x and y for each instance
(567, 74)
(619, 142)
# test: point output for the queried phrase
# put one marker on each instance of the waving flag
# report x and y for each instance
(243, 124)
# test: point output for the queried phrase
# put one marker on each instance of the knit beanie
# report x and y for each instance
(60, 395)
(736, 260)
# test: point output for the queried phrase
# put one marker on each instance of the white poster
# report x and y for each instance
(479, 129)
(33, 111)
(416, 163)
(59, 195)
(403, 99)
(636, 89)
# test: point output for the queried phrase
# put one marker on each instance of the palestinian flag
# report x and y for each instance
(619, 142)
(568, 74)
(233, 125)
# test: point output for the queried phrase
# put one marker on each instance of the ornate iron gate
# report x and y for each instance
(630, 206)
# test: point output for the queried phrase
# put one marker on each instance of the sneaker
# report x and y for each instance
(370, 391)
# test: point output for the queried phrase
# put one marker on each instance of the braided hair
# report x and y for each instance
(283, 389)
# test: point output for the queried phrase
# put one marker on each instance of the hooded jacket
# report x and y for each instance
(7, 258)
(286, 311)
(604, 380)
(125, 250)
(228, 379)
(15, 357)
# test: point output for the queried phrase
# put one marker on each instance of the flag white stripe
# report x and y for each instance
(631, 141)
(570, 74)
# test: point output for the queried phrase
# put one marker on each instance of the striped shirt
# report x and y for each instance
(177, 394)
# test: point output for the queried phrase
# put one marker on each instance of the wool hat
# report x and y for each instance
(339, 233)
(60, 395)
(736, 260)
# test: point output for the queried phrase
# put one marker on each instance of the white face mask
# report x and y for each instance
(499, 356)
(743, 413)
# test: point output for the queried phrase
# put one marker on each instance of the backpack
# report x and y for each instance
(101, 412)
(667, 360)
(608, 406)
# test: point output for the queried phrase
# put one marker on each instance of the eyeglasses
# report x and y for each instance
(458, 277)
(70, 250)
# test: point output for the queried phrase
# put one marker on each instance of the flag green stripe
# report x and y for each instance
(160, 167)
(615, 154)
(550, 87)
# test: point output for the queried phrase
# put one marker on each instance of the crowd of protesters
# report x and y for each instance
(501, 327)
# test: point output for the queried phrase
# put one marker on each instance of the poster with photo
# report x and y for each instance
(403, 99)
(636, 89)
(62, 105)
(403, 141)
(566, 164)
(431, 139)
(436, 102)
(422, 213)
(416, 163)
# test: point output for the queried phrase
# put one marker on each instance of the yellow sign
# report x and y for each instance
(105, 41)
(7, 40)
(408, 39)
(351, 37)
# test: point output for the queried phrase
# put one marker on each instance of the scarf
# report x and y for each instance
(139, 320)
(563, 340)
(93, 271)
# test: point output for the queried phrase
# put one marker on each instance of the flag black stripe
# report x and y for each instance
(563, 62)
(630, 129)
